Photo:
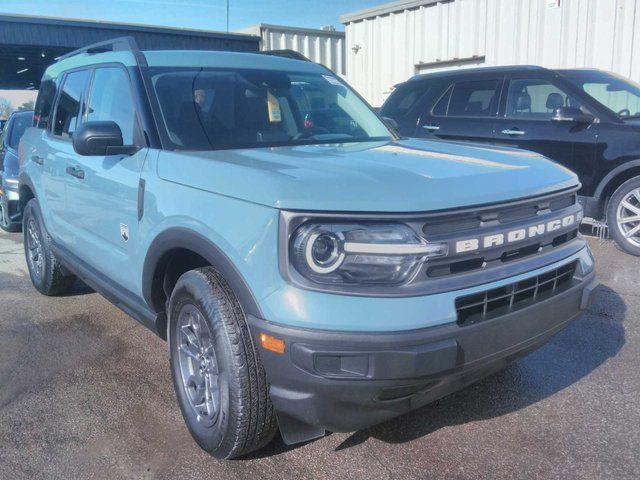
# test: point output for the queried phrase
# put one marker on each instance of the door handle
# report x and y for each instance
(431, 128)
(513, 132)
(74, 172)
(37, 159)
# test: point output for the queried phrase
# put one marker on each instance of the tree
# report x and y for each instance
(5, 108)
(27, 105)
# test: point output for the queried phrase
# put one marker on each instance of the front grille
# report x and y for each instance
(498, 218)
(499, 301)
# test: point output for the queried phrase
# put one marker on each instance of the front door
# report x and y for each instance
(102, 191)
(526, 121)
(57, 151)
(466, 111)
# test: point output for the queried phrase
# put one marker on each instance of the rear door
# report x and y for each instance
(465, 111)
(526, 122)
(102, 192)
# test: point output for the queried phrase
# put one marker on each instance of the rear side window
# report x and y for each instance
(69, 102)
(476, 98)
(403, 100)
(111, 100)
(21, 122)
(44, 104)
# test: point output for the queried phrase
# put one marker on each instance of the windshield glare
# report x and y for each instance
(205, 109)
(616, 93)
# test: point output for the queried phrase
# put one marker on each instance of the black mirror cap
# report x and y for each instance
(572, 114)
(97, 139)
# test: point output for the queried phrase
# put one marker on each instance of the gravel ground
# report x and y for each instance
(85, 392)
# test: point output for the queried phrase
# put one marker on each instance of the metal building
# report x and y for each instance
(325, 46)
(390, 43)
(29, 44)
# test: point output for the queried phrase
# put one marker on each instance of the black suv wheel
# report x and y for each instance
(623, 216)
(217, 374)
(47, 274)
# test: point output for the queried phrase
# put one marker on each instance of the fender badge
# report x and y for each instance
(124, 232)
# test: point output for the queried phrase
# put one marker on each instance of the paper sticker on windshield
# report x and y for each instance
(274, 108)
(332, 80)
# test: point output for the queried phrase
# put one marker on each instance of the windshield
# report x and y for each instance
(210, 109)
(618, 94)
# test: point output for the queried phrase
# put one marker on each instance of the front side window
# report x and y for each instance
(403, 100)
(206, 109)
(20, 123)
(69, 101)
(475, 98)
(618, 94)
(110, 100)
(44, 104)
(536, 99)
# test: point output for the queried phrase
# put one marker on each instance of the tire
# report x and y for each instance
(203, 305)
(628, 192)
(47, 274)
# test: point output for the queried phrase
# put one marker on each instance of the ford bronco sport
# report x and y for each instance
(309, 270)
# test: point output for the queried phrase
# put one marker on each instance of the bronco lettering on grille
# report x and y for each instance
(517, 235)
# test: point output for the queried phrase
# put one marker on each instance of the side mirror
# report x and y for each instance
(392, 124)
(100, 139)
(571, 114)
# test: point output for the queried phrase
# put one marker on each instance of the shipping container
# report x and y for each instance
(390, 43)
(325, 46)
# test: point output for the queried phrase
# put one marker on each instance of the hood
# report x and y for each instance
(402, 176)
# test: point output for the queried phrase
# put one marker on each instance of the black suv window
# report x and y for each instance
(532, 98)
(474, 98)
(403, 100)
(111, 99)
(44, 104)
(69, 101)
(20, 123)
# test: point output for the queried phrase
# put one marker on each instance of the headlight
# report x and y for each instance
(360, 253)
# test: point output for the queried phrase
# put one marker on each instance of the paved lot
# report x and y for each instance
(85, 393)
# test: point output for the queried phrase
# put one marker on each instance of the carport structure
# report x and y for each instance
(29, 44)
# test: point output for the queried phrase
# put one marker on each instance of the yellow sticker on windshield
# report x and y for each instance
(274, 108)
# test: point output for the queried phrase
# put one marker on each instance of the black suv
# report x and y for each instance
(587, 120)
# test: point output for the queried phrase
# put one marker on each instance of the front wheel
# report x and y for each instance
(623, 216)
(218, 377)
(47, 274)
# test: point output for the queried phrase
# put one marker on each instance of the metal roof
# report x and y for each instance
(29, 44)
(465, 71)
(385, 9)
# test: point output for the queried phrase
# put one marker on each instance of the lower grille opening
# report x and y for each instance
(499, 301)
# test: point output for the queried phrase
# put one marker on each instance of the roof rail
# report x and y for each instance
(118, 44)
(286, 54)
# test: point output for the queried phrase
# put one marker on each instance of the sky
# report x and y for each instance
(199, 14)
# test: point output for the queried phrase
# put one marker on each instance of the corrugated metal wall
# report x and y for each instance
(325, 47)
(386, 49)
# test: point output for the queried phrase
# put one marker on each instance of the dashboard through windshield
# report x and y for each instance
(211, 109)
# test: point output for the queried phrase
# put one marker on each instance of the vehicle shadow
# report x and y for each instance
(569, 356)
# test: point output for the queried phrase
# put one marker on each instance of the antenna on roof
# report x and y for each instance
(227, 16)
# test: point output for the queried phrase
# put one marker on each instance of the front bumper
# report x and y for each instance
(345, 381)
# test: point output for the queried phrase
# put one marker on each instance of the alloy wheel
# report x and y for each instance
(628, 217)
(35, 252)
(198, 365)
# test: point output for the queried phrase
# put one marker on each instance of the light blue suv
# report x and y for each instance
(310, 270)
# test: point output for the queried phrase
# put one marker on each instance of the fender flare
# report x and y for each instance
(612, 174)
(179, 237)
(25, 181)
